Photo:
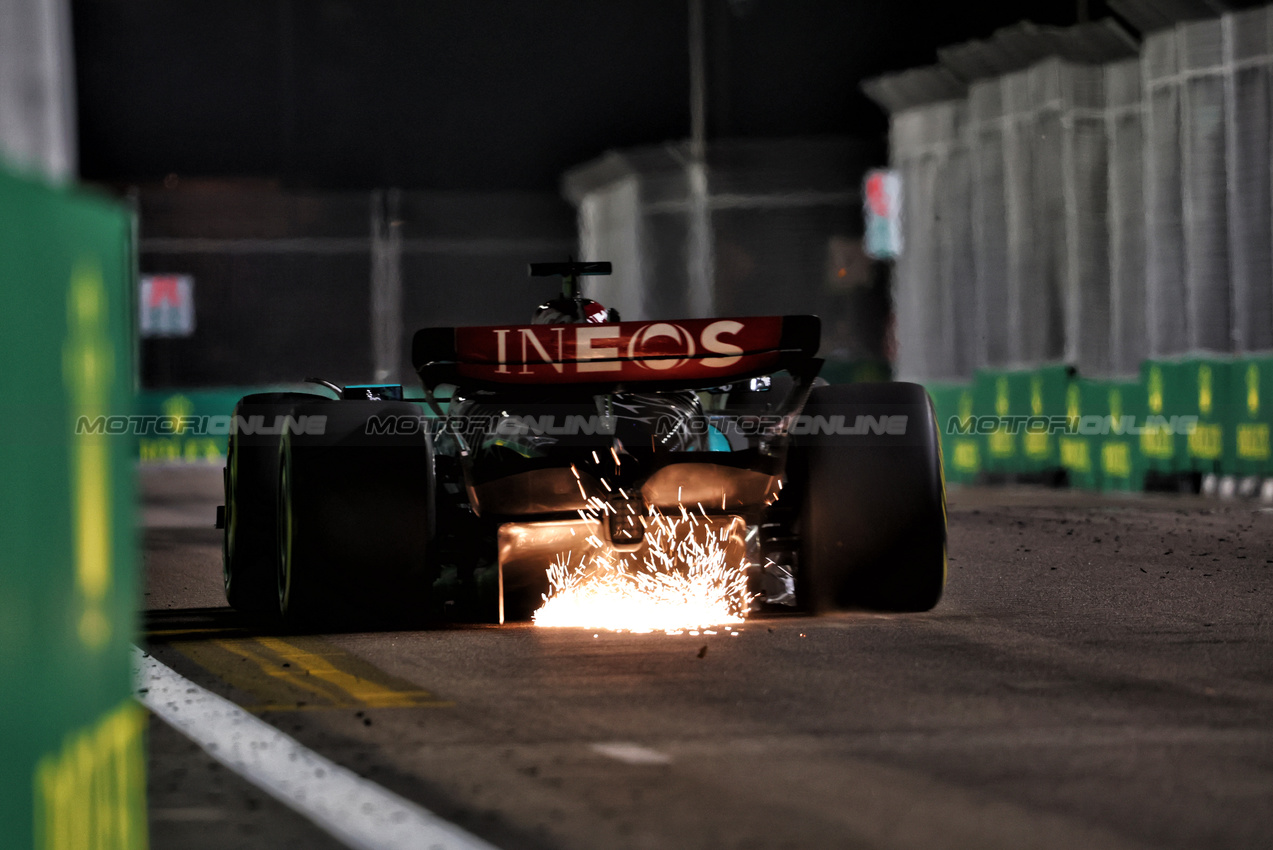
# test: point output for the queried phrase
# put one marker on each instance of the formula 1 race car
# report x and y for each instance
(581, 442)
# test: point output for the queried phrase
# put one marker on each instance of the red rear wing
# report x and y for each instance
(688, 352)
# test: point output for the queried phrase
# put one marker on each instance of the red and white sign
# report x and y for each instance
(689, 349)
(167, 305)
(883, 209)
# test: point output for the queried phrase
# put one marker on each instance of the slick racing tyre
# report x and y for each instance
(355, 516)
(872, 499)
(250, 478)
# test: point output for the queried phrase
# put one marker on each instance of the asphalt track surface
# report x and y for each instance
(1099, 674)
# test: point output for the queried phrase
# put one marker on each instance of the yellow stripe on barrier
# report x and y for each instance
(92, 792)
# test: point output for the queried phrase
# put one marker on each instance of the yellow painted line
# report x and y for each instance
(302, 674)
(200, 631)
(239, 671)
(365, 691)
(270, 668)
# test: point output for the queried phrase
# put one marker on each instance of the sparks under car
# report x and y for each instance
(580, 442)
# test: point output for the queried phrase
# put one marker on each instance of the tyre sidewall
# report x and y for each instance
(872, 506)
(250, 483)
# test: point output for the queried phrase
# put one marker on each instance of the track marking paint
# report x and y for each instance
(271, 668)
(365, 691)
(353, 809)
(630, 753)
(303, 674)
(266, 680)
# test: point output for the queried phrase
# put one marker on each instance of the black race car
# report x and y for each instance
(581, 442)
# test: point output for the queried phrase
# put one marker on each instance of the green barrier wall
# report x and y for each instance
(1250, 414)
(1119, 430)
(992, 396)
(1205, 394)
(73, 771)
(961, 453)
(1120, 466)
(1030, 397)
(1041, 393)
(1163, 393)
(183, 426)
(1080, 450)
(1019, 405)
(1102, 448)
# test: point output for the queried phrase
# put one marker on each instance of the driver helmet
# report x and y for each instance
(564, 311)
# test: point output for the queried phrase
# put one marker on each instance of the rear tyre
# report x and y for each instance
(355, 518)
(248, 546)
(872, 507)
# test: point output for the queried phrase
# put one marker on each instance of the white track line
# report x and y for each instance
(631, 753)
(355, 810)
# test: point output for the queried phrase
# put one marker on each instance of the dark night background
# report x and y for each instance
(490, 95)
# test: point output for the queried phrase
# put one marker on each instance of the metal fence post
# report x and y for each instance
(386, 284)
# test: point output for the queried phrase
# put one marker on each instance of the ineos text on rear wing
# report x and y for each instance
(605, 357)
